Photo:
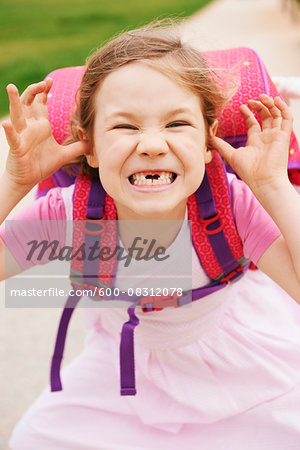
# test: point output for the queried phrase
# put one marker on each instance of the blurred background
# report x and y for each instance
(38, 36)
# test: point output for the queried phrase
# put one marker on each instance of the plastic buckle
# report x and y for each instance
(213, 219)
(98, 228)
(231, 275)
(253, 266)
(157, 303)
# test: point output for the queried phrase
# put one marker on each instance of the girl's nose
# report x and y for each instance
(152, 146)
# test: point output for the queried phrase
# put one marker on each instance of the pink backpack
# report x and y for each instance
(254, 80)
(214, 234)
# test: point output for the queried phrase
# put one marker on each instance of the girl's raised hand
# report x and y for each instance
(263, 162)
(34, 154)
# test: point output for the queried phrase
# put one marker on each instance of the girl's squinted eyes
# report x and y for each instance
(171, 125)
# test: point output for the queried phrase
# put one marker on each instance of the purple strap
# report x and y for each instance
(95, 204)
(55, 381)
(127, 372)
(237, 141)
(127, 366)
(218, 241)
(90, 275)
(212, 287)
(95, 209)
(62, 178)
(90, 267)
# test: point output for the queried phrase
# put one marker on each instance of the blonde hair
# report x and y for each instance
(160, 46)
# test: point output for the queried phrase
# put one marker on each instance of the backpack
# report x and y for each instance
(254, 80)
(214, 234)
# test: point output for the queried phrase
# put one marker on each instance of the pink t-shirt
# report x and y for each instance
(255, 227)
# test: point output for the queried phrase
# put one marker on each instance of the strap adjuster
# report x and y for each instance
(93, 227)
(157, 303)
(232, 275)
(207, 222)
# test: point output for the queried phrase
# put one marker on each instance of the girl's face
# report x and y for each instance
(149, 143)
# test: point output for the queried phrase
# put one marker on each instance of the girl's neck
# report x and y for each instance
(161, 229)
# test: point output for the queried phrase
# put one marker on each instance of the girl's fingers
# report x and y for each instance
(251, 122)
(73, 150)
(31, 92)
(286, 115)
(225, 149)
(12, 136)
(274, 112)
(34, 99)
(263, 112)
(38, 109)
(16, 109)
(42, 98)
(17, 113)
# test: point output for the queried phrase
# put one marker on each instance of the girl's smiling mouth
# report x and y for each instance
(152, 178)
(149, 180)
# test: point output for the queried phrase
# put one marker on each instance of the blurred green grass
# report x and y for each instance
(38, 36)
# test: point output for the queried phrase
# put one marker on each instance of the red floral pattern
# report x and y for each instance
(208, 259)
(108, 223)
(219, 187)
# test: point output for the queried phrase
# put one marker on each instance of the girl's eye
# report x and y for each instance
(125, 126)
(177, 124)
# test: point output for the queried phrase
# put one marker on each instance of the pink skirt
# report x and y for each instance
(224, 373)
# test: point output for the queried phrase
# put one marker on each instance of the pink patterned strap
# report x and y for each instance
(61, 99)
(225, 233)
(108, 235)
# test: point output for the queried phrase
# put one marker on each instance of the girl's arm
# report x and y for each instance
(262, 164)
(33, 154)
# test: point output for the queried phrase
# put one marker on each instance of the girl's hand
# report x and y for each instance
(34, 154)
(263, 162)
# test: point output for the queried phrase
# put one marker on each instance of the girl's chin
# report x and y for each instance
(151, 211)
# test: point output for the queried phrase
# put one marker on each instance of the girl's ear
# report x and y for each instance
(213, 128)
(91, 158)
(212, 132)
(207, 155)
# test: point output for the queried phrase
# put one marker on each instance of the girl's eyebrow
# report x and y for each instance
(129, 115)
(182, 110)
(125, 114)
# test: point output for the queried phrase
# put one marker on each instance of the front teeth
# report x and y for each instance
(139, 179)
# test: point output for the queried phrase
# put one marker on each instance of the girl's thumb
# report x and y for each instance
(222, 147)
(72, 151)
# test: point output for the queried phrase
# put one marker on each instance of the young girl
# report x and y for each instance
(225, 372)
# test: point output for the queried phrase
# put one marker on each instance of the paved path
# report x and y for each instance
(27, 335)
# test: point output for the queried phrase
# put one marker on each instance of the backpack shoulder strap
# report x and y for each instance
(214, 233)
(212, 222)
(94, 220)
(91, 206)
